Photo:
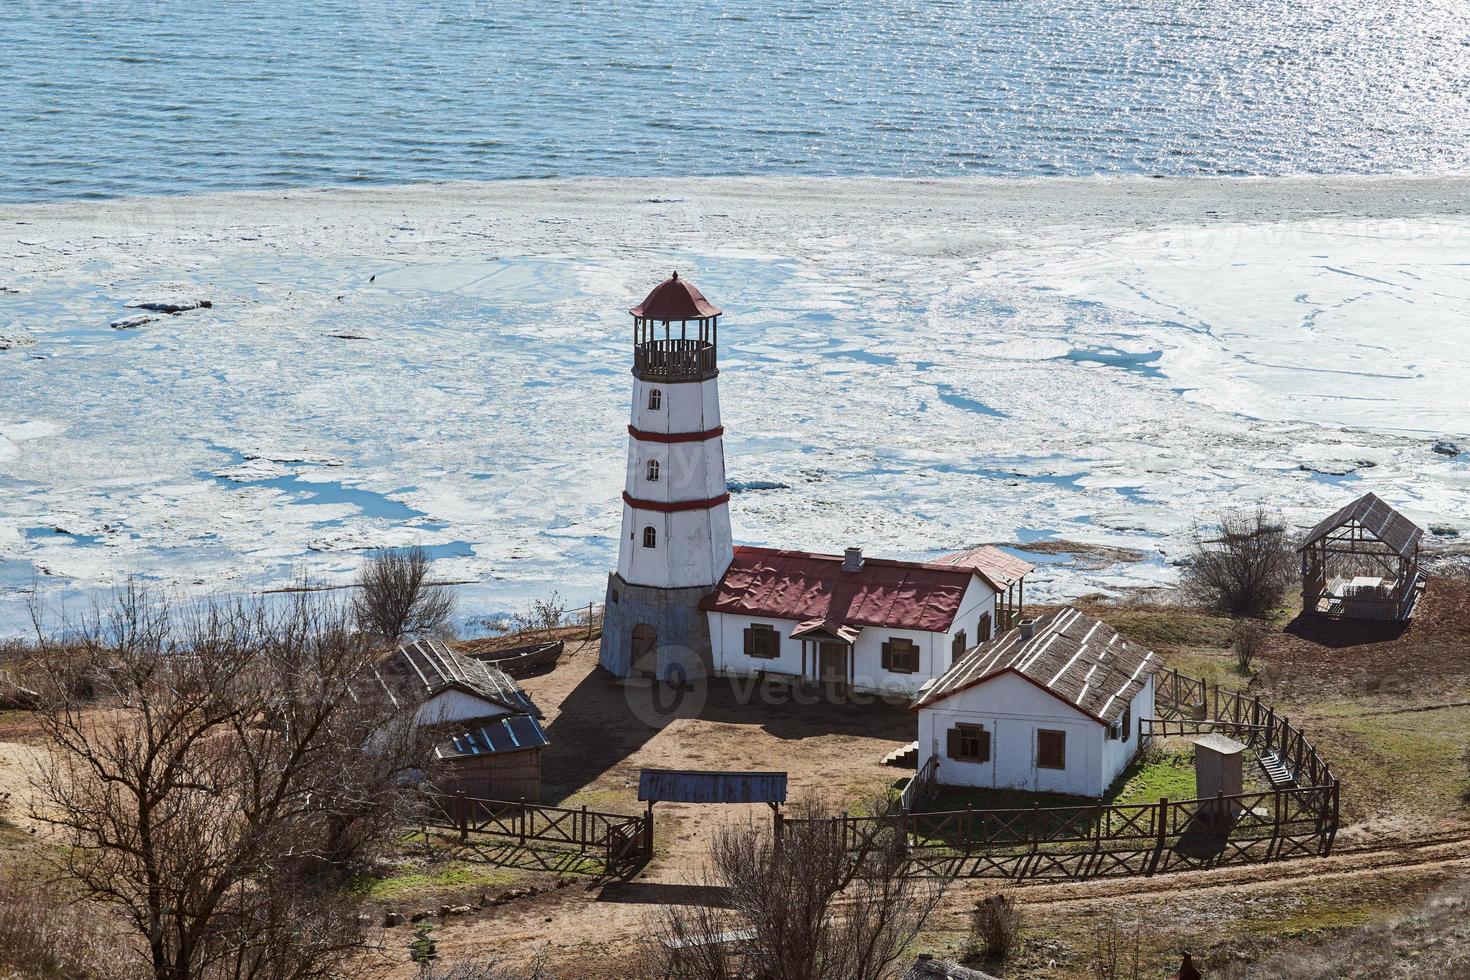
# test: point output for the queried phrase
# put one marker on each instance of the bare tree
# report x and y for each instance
(1247, 639)
(395, 598)
(1244, 567)
(804, 907)
(235, 768)
(544, 615)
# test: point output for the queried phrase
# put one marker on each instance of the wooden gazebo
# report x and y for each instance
(1362, 563)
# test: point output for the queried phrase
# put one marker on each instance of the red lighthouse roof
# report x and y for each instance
(675, 299)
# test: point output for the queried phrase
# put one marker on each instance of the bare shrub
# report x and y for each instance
(543, 616)
(1247, 639)
(238, 768)
(42, 938)
(1244, 567)
(804, 907)
(995, 929)
(1118, 953)
(395, 598)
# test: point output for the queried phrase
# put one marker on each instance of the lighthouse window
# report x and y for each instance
(650, 537)
(655, 400)
(653, 471)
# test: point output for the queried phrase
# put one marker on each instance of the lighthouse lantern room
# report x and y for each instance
(675, 542)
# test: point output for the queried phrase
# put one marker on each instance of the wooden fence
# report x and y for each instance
(1100, 840)
(621, 840)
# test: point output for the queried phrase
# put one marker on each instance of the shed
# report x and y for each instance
(491, 729)
(1362, 563)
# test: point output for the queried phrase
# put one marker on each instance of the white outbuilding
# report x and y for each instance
(1052, 706)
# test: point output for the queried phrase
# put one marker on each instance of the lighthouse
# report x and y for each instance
(675, 541)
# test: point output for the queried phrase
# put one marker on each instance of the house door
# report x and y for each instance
(645, 640)
(832, 663)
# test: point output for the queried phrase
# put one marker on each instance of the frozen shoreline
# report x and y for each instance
(923, 364)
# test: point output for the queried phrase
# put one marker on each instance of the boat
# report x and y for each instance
(519, 661)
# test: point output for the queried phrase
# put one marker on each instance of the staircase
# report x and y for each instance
(1277, 771)
(905, 757)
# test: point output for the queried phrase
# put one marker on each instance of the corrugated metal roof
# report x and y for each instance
(1076, 657)
(491, 736)
(419, 670)
(802, 586)
(1001, 568)
(691, 786)
(1378, 518)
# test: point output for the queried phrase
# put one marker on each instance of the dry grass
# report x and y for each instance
(41, 939)
(1430, 941)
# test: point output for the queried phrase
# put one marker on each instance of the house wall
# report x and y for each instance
(452, 705)
(1117, 754)
(1012, 709)
(727, 636)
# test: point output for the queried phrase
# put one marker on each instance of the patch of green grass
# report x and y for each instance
(455, 874)
(1413, 758)
(1172, 775)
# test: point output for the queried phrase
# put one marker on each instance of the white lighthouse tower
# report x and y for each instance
(675, 540)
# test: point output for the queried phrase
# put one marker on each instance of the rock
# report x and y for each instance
(456, 910)
(348, 336)
(1444, 531)
(444, 911)
(1446, 448)
(420, 916)
(132, 322)
(391, 919)
(168, 305)
(11, 341)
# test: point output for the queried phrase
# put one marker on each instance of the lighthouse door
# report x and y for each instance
(645, 639)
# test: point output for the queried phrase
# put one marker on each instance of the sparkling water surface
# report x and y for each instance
(105, 97)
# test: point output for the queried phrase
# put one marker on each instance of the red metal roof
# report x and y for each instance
(675, 299)
(803, 586)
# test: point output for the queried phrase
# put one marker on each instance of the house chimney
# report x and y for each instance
(1027, 628)
(852, 561)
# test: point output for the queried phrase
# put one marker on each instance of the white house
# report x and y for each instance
(866, 624)
(1052, 705)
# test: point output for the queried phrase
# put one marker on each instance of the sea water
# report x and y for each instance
(119, 97)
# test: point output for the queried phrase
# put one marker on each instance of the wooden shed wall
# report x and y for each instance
(501, 776)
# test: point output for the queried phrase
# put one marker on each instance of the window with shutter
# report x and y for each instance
(762, 641)
(1051, 749)
(957, 649)
(900, 656)
(1128, 722)
(982, 632)
(969, 743)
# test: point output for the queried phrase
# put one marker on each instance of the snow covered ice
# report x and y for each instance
(911, 367)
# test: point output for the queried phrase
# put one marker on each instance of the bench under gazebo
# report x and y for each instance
(1362, 563)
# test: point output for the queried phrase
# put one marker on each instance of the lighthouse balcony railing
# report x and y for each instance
(675, 360)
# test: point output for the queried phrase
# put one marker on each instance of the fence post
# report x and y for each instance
(1332, 828)
(523, 816)
(463, 812)
(778, 829)
(648, 831)
(1161, 823)
(582, 836)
